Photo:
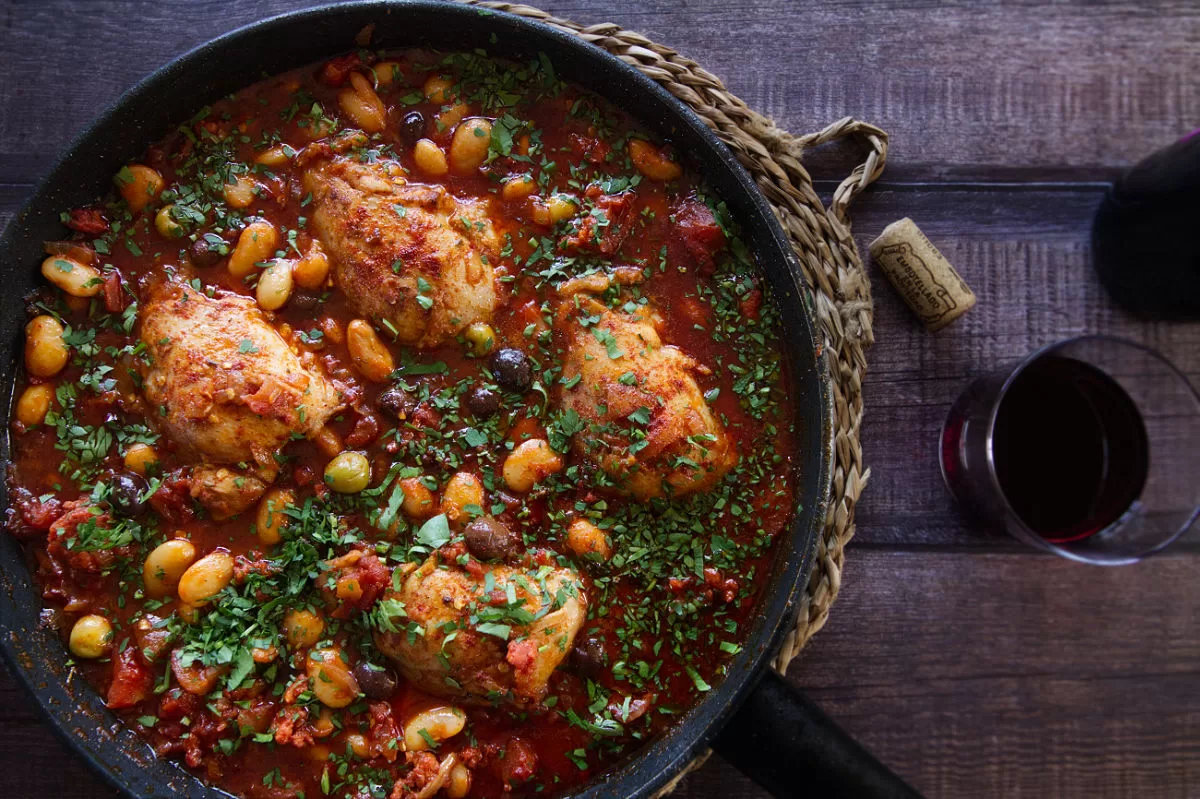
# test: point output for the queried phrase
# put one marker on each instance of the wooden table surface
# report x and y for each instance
(970, 665)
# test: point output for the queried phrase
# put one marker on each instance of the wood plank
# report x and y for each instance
(1026, 253)
(1063, 90)
(1016, 675)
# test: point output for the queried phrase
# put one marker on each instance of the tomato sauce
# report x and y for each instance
(667, 602)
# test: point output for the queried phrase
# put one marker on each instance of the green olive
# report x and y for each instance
(481, 337)
(166, 224)
(348, 473)
(91, 637)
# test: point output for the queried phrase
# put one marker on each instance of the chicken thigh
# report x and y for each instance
(228, 390)
(484, 638)
(648, 425)
(408, 256)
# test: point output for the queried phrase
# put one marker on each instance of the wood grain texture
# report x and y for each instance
(1025, 252)
(992, 89)
(971, 666)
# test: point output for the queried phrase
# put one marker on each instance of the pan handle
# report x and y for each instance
(787, 745)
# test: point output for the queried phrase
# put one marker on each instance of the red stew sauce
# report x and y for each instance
(276, 646)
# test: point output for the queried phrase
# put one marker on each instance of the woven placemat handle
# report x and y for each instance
(865, 173)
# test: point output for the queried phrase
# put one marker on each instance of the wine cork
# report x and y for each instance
(924, 278)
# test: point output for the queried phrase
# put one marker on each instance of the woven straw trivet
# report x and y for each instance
(822, 241)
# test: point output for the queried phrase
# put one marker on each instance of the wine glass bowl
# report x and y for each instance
(1088, 448)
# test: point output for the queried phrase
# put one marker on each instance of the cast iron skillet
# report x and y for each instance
(769, 730)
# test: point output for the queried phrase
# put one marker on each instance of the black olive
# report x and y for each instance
(434, 459)
(491, 539)
(589, 658)
(412, 127)
(125, 495)
(513, 370)
(205, 253)
(375, 681)
(396, 402)
(303, 301)
(483, 402)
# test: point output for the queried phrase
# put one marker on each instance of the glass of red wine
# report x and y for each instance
(1089, 448)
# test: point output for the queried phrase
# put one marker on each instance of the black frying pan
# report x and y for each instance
(752, 717)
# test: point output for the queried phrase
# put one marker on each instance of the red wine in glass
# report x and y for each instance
(1081, 449)
(1070, 449)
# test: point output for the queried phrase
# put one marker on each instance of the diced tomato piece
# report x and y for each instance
(698, 231)
(383, 733)
(30, 515)
(88, 221)
(304, 475)
(530, 313)
(750, 304)
(592, 149)
(336, 71)
(114, 298)
(605, 229)
(82, 517)
(177, 703)
(518, 764)
(243, 567)
(153, 637)
(366, 430)
(290, 727)
(524, 429)
(254, 713)
(358, 583)
(131, 683)
(195, 678)
(173, 499)
(425, 416)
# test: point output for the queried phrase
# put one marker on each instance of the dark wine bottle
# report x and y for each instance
(1146, 234)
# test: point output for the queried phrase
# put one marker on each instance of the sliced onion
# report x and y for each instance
(440, 779)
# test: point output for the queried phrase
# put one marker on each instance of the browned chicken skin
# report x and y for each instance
(408, 255)
(226, 388)
(649, 426)
(441, 599)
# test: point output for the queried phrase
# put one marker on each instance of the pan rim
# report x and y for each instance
(668, 750)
